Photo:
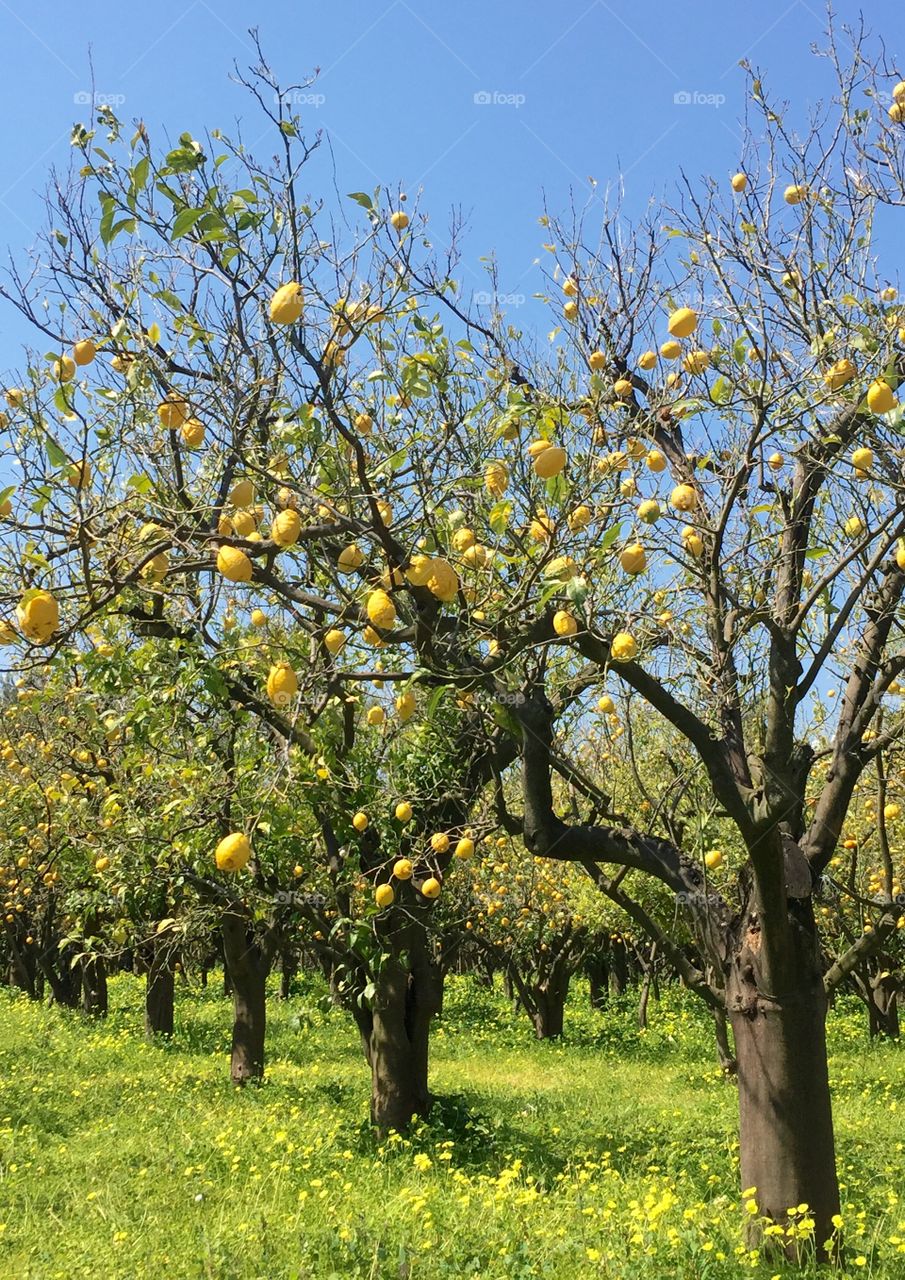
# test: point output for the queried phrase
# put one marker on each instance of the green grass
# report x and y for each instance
(612, 1154)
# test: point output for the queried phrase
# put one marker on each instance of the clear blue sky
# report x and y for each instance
(578, 88)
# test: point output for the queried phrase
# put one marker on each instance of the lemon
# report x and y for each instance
(633, 559)
(384, 895)
(839, 373)
(84, 351)
(233, 852)
(173, 412)
(439, 842)
(549, 462)
(403, 811)
(242, 493)
(334, 640)
(380, 610)
(713, 859)
(402, 869)
(192, 432)
(286, 527)
(399, 220)
(564, 624)
(623, 647)
(38, 615)
(287, 303)
(405, 706)
(234, 564)
(350, 559)
(360, 821)
(880, 397)
(431, 887)
(376, 716)
(282, 684)
(683, 322)
(738, 181)
(606, 705)
(684, 497)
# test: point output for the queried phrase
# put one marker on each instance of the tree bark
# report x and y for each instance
(883, 1005)
(398, 1036)
(247, 965)
(160, 990)
(787, 1149)
(94, 986)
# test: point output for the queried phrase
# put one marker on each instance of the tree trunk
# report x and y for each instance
(723, 1047)
(159, 991)
(549, 1015)
(598, 977)
(618, 969)
(94, 986)
(787, 1149)
(883, 1005)
(289, 967)
(397, 1043)
(246, 966)
(645, 988)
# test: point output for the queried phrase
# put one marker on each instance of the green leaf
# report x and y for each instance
(362, 198)
(185, 220)
(610, 537)
(55, 454)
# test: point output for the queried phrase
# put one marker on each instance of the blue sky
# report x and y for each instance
(577, 89)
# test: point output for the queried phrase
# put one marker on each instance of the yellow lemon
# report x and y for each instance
(380, 610)
(564, 624)
(633, 559)
(233, 852)
(384, 895)
(360, 821)
(282, 684)
(684, 497)
(431, 887)
(739, 181)
(402, 869)
(880, 397)
(403, 811)
(234, 564)
(287, 303)
(683, 322)
(623, 647)
(334, 640)
(84, 352)
(286, 527)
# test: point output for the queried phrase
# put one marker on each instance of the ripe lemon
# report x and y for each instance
(739, 181)
(564, 624)
(192, 433)
(713, 859)
(696, 361)
(334, 640)
(286, 527)
(656, 461)
(580, 518)
(233, 852)
(464, 848)
(403, 811)
(360, 821)
(623, 388)
(431, 888)
(647, 360)
(282, 684)
(64, 369)
(242, 494)
(862, 459)
(550, 461)
(380, 610)
(399, 220)
(606, 705)
(880, 397)
(234, 564)
(633, 559)
(439, 842)
(84, 351)
(287, 303)
(350, 559)
(839, 373)
(684, 497)
(173, 412)
(683, 322)
(794, 194)
(670, 350)
(496, 478)
(597, 360)
(258, 618)
(384, 895)
(402, 869)
(405, 706)
(376, 716)
(623, 647)
(38, 615)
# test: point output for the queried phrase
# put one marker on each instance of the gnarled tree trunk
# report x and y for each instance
(94, 986)
(247, 966)
(787, 1149)
(160, 989)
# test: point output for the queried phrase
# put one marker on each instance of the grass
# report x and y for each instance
(612, 1154)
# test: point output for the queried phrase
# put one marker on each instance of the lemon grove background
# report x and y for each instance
(423, 1161)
